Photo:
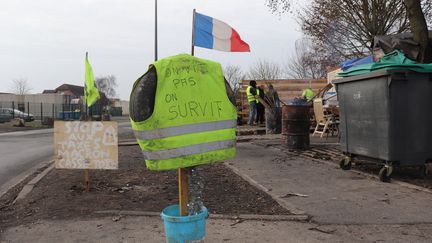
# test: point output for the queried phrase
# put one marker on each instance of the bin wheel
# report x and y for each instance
(385, 174)
(345, 163)
(424, 171)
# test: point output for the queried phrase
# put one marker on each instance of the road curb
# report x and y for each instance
(21, 177)
(288, 206)
(264, 217)
(30, 185)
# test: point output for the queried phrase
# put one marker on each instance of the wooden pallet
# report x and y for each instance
(287, 89)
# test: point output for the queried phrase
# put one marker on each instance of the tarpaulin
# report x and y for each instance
(403, 42)
(356, 61)
(395, 60)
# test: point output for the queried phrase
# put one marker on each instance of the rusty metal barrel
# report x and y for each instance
(295, 126)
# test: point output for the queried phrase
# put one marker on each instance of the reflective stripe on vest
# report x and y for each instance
(185, 129)
(250, 96)
(188, 150)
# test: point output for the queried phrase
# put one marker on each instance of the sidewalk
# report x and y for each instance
(150, 229)
(333, 196)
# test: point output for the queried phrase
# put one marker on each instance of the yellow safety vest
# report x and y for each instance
(250, 96)
(193, 121)
(258, 93)
(308, 94)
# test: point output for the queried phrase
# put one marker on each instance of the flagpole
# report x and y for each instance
(87, 118)
(156, 41)
(193, 30)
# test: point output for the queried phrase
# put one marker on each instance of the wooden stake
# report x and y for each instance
(86, 180)
(183, 191)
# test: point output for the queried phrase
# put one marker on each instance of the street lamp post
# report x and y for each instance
(156, 41)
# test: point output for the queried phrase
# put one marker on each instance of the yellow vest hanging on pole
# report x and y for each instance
(193, 121)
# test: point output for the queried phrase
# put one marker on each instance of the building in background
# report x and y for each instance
(119, 107)
(72, 94)
(39, 105)
(59, 102)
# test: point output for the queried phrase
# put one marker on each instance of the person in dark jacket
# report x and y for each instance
(260, 107)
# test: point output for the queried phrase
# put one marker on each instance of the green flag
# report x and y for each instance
(91, 92)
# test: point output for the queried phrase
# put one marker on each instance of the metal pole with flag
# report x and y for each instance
(91, 95)
(156, 34)
(211, 33)
(193, 30)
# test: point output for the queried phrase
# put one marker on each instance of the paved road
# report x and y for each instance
(21, 151)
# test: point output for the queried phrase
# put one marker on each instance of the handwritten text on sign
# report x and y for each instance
(85, 145)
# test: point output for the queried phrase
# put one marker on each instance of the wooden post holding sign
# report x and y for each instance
(86, 180)
(182, 172)
(183, 191)
(87, 145)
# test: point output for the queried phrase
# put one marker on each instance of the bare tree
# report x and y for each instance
(21, 86)
(279, 6)
(353, 24)
(348, 26)
(419, 29)
(265, 70)
(234, 75)
(107, 84)
(308, 62)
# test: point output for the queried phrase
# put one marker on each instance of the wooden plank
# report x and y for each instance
(183, 191)
(278, 81)
(264, 103)
(290, 84)
(287, 89)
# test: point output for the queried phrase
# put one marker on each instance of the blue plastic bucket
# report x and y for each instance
(179, 229)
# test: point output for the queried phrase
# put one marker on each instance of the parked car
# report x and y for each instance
(5, 116)
(14, 113)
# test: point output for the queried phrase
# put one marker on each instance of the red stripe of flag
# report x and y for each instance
(237, 44)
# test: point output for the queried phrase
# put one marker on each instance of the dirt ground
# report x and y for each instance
(60, 195)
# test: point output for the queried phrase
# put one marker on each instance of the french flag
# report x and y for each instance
(214, 34)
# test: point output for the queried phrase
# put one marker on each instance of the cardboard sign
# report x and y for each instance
(85, 145)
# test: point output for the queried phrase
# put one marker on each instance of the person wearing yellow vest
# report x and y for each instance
(251, 92)
(181, 114)
(308, 94)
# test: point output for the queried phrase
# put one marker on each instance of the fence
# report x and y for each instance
(38, 111)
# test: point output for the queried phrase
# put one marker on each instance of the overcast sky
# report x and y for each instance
(45, 40)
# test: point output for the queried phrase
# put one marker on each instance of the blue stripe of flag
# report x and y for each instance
(203, 31)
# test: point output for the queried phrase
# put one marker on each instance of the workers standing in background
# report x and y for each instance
(251, 91)
(260, 107)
